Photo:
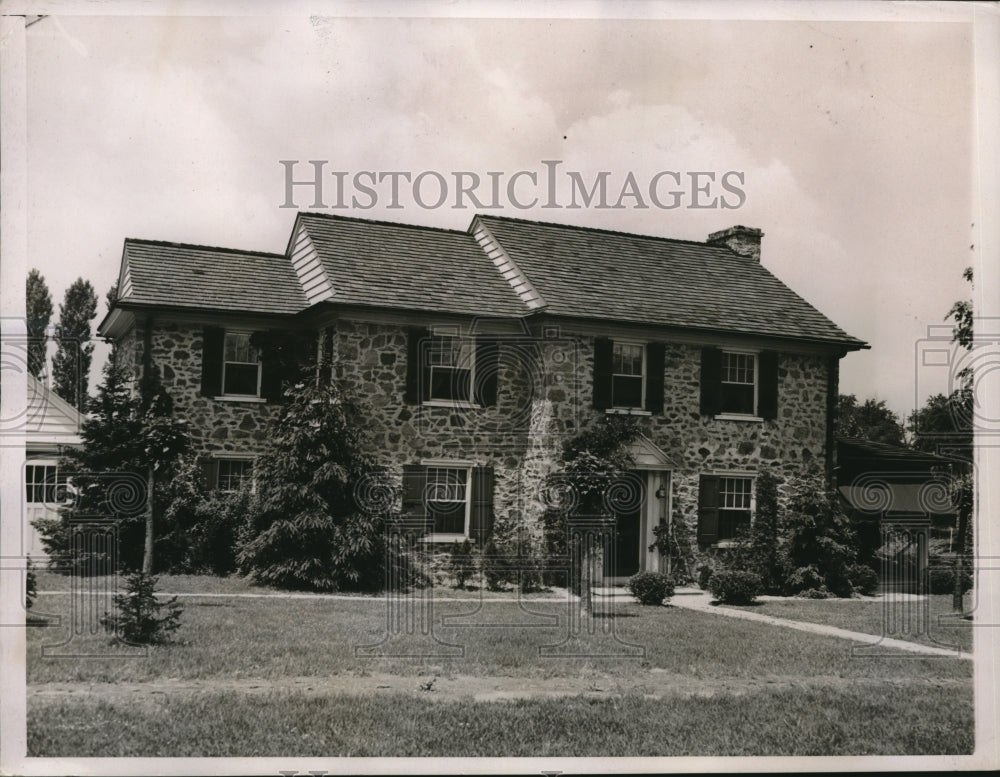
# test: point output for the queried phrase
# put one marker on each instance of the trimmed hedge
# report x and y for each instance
(650, 588)
(734, 587)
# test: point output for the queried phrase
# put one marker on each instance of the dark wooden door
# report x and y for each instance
(627, 544)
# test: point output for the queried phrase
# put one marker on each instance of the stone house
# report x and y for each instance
(480, 351)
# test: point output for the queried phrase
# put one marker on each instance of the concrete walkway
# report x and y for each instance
(701, 601)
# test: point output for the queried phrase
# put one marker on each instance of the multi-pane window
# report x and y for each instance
(734, 506)
(234, 474)
(240, 366)
(450, 362)
(627, 375)
(739, 383)
(447, 499)
(42, 484)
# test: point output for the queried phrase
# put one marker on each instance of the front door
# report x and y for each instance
(627, 534)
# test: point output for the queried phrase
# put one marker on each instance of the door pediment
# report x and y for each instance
(648, 456)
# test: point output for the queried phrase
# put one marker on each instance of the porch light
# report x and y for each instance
(661, 492)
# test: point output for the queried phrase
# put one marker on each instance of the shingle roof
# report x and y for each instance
(189, 276)
(403, 266)
(624, 277)
(578, 272)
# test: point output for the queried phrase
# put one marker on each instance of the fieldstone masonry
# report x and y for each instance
(544, 396)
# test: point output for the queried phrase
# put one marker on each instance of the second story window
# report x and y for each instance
(739, 383)
(628, 375)
(240, 366)
(449, 372)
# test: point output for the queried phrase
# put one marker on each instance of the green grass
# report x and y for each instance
(907, 620)
(274, 638)
(726, 686)
(854, 721)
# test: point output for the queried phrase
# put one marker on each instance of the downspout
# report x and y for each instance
(832, 387)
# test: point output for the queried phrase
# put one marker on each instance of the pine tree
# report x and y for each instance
(38, 307)
(128, 435)
(71, 365)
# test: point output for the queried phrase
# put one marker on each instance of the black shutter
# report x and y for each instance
(414, 368)
(414, 488)
(481, 523)
(708, 509)
(603, 351)
(210, 472)
(711, 381)
(654, 377)
(767, 387)
(487, 367)
(213, 342)
(270, 371)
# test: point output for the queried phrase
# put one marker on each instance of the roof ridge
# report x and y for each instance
(381, 222)
(202, 247)
(601, 230)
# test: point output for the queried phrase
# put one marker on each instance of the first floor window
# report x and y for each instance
(739, 383)
(43, 484)
(448, 499)
(627, 375)
(234, 474)
(734, 506)
(240, 366)
(450, 362)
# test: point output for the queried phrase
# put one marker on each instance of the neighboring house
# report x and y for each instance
(52, 425)
(901, 502)
(481, 351)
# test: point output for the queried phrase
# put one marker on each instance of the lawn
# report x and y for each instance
(928, 621)
(276, 676)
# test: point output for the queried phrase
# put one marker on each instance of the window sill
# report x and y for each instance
(739, 417)
(440, 538)
(455, 404)
(252, 400)
(626, 411)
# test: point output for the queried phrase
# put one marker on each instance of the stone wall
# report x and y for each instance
(544, 396)
(215, 425)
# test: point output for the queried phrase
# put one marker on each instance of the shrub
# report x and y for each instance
(495, 568)
(803, 579)
(462, 563)
(705, 572)
(650, 588)
(815, 593)
(942, 580)
(30, 585)
(735, 587)
(138, 619)
(863, 579)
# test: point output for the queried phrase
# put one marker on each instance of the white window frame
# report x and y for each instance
(751, 500)
(44, 484)
(231, 457)
(461, 342)
(642, 400)
(755, 355)
(256, 397)
(459, 466)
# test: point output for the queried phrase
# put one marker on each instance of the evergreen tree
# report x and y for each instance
(71, 364)
(306, 529)
(38, 307)
(129, 437)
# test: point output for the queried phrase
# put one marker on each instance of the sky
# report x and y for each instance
(854, 141)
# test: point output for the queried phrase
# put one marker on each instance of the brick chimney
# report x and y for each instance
(742, 241)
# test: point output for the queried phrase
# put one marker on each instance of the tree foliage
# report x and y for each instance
(871, 420)
(74, 352)
(129, 438)
(306, 529)
(38, 308)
